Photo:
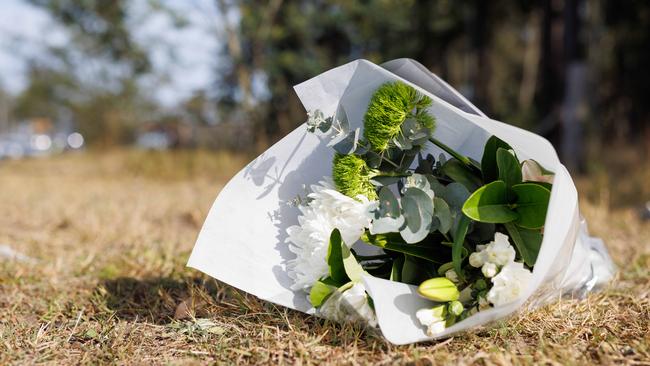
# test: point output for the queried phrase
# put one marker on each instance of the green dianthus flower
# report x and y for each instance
(352, 176)
(389, 107)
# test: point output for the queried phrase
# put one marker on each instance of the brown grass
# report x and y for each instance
(111, 232)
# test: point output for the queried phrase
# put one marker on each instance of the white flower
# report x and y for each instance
(349, 306)
(477, 259)
(495, 254)
(489, 269)
(499, 251)
(452, 276)
(509, 284)
(347, 214)
(433, 319)
(309, 240)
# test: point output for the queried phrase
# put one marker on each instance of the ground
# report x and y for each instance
(108, 235)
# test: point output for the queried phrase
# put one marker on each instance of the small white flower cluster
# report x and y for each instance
(350, 305)
(493, 256)
(309, 240)
(497, 262)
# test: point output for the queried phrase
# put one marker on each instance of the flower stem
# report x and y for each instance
(463, 159)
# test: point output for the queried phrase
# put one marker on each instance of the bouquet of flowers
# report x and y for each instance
(399, 204)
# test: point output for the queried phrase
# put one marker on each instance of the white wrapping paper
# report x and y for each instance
(242, 242)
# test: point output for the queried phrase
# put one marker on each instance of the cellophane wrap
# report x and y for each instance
(242, 242)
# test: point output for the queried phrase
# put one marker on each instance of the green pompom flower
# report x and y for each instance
(352, 175)
(391, 105)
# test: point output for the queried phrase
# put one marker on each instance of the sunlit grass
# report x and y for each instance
(110, 233)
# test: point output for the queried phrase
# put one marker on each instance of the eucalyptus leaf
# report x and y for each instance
(528, 242)
(455, 194)
(443, 214)
(489, 204)
(425, 165)
(346, 144)
(388, 203)
(417, 208)
(531, 205)
(489, 165)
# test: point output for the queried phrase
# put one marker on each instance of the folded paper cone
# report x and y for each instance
(242, 242)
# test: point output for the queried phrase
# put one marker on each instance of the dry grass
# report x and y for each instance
(110, 234)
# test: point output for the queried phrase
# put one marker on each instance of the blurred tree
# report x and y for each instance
(93, 78)
(100, 29)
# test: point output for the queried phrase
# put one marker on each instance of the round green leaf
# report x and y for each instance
(531, 204)
(489, 204)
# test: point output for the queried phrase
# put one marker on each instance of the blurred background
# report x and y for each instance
(98, 76)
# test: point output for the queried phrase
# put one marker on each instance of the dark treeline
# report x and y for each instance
(572, 70)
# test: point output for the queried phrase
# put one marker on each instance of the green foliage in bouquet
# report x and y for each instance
(433, 219)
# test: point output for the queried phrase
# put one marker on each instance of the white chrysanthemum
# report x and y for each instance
(309, 240)
(350, 305)
(433, 319)
(509, 284)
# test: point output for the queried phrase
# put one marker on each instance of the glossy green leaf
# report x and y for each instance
(462, 174)
(509, 169)
(528, 242)
(440, 254)
(531, 205)
(489, 204)
(489, 165)
(335, 258)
